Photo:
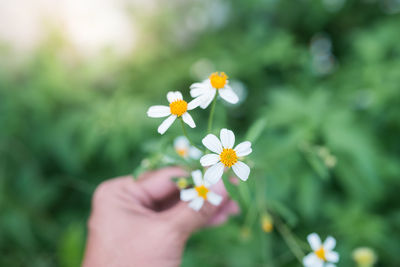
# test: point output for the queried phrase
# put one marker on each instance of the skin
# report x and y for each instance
(143, 223)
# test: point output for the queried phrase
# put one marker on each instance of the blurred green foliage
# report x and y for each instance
(322, 109)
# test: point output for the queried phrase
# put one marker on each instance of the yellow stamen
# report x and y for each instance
(218, 80)
(202, 191)
(228, 157)
(320, 253)
(178, 107)
(182, 152)
(182, 183)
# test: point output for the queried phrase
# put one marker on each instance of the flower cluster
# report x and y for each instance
(224, 155)
(219, 155)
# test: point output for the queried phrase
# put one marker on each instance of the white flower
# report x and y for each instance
(323, 254)
(206, 90)
(199, 193)
(184, 149)
(177, 108)
(226, 156)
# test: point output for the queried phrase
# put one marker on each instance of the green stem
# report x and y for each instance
(186, 135)
(289, 239)
(210, 118)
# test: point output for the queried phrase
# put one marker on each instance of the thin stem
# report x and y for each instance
(289, 239)
(210, 118)
(186, 135)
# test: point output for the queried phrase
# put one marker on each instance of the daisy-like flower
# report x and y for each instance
(225, 156)
(199, 193)
(206, 90)
(184, 149)
(177, 108)
(323, 254)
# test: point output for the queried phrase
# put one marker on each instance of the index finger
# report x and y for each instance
(158, 185)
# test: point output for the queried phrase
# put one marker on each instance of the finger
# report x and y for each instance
(223, 213)
(117, 193)
(187, 220)
(158, 184)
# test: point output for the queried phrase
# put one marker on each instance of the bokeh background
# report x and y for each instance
(320, 83)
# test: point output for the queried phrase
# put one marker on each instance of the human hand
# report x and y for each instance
(142, 223)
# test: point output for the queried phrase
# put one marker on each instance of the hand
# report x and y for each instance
(142, 223)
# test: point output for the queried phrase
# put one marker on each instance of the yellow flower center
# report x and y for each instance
(178, 107)
(228, 157)
(182, 152)
(202, 191)
(182, 183)
(321, 253)
(218, 80)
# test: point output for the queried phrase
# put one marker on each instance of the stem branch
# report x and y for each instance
(186, 135)
(289, 239)
(210, 118)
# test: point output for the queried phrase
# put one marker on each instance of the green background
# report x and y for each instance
(317, 74)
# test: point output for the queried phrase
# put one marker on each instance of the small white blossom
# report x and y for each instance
(200, 193)
(225, 156)
(177, 108)
(184, 149)
(206, 90)
(323, 254)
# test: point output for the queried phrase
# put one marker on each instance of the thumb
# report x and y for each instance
(186, 220)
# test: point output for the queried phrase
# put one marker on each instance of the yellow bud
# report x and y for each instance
(364, 257)
(182, 183)
(267, 223)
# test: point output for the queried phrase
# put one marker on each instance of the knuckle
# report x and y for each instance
(109, 188)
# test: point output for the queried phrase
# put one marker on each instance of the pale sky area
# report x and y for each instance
(89, 25)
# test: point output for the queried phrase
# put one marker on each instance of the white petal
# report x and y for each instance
(332, 256)
(209, 159)
(311, 260)
(198, 89)
(196, 203)
(243, 149)
(212, 143)
(171, 97)
(188, 120)
(242, 170)
(188, 194)
(314, 241)
(329, 243)
(181, 142)
(158, 111)
(214, 173)
(194, 153)
(166, 124)
(227, 138)
(194, 103)
(208, 97)
(178, 95)
(214, 198)
(228, 95)
(197, 176)
(204, 84)
(206, 183)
